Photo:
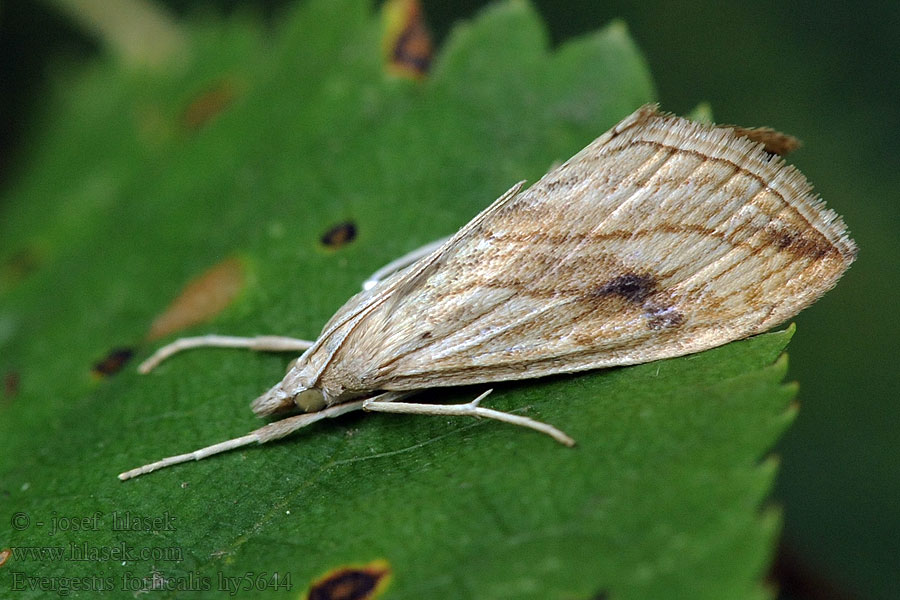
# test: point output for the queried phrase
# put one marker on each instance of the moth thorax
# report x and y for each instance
(311, 400)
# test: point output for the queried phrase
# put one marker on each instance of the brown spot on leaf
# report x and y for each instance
(208, 104)
(19, 265)
(202, 298)
(11, 384)
(352, 582)
(774, 142)
(113, 362)
(406, 43)
(4, 556)
(339, 235)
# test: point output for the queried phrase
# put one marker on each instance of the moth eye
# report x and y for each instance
(311, 400)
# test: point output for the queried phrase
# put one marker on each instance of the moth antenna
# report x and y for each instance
(260, 343)
(266, 433)
(195, 455)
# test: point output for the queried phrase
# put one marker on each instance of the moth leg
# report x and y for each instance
(469, 409)
(263, 343)
(266, 433)
(401, 263)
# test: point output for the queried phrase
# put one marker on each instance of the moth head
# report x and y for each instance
(295, 391)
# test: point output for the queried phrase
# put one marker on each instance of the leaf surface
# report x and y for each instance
(125, 202)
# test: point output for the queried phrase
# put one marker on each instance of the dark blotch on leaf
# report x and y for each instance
(351, 583)
(407, 43)
(339, 235)
(113, 362)
(411, 52)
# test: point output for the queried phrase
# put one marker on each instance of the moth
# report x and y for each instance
(663, 237)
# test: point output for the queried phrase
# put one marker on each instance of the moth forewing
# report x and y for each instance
(661, 238)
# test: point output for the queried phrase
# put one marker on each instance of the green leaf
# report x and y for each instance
(124, 203)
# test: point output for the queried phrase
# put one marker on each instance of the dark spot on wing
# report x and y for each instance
(339, 235)
(633, 287)
(113, 362)
(664, 318)
(641, 290)
(562, 183)
(808, 243)
(352, 582)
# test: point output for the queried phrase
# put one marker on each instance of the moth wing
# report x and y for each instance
(661, 238)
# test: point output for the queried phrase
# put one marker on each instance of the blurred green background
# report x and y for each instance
(827, 72)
